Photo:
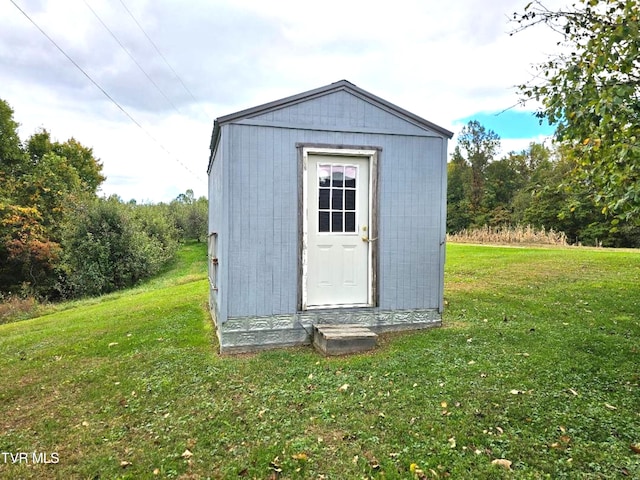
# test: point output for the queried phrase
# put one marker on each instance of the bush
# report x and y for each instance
(14, 307)
(112, 245)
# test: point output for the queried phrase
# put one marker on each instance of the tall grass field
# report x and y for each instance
(535, 374)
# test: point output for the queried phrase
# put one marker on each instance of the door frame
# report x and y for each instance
(372, 154)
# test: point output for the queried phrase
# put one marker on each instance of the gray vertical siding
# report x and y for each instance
(219, 223)
(342, 110)
(253, 195)
(263, 234)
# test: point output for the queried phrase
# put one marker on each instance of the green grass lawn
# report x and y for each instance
(538, 363)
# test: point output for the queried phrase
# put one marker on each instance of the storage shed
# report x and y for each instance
(326, 207)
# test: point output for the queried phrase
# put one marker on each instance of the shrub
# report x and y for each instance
(111, 245)
(14, 307)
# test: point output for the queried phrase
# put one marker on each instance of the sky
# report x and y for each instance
(141, 81)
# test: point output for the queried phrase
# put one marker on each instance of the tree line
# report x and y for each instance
(59, 239)
(533, 187)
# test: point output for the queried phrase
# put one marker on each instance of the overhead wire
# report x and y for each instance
(103, 91)
(153, 44)
(115, 37)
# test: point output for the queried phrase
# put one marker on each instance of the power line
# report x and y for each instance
(131, 57)
(104, 92)
(159, 52)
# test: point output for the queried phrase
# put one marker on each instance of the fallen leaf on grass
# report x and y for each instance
(417, 472)
(344, 387)
(373, 461)
(516, 392)
(113, 344)
(275, 465)
(610, 407)
(124, 464)
(502, 462)
(187, 454)
(156, 471)
(300, 456)
(571, 390)
(635, 448)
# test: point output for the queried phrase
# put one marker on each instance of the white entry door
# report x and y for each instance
(336, 263)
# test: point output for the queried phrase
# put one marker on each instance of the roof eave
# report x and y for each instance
(332, 87)
(213, 145)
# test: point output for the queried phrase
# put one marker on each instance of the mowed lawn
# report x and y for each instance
(538, 364)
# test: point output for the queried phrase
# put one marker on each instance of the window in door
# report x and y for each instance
(337, 184)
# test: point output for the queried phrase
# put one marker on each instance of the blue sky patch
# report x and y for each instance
(510, 124)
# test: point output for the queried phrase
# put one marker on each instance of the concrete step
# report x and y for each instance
(343, 339)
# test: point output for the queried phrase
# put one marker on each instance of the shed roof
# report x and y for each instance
(342, 85)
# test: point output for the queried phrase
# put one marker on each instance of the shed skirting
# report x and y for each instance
(245, 334)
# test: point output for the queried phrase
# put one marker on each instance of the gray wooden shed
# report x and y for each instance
(325, 207)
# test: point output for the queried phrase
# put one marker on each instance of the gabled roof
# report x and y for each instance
(311, 94)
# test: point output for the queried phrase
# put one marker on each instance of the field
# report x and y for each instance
(535, 374)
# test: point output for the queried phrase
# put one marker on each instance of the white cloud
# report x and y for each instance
(438, 60)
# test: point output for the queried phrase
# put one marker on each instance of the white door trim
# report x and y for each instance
(371, 156)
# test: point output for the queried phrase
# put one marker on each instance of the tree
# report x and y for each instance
(477, 146)
(11, 153)
(190, 215)
(79, 157)
(504, 178)
(591, 92)
(458, 184)
(12, 157)
(27, 257)
(51, 187)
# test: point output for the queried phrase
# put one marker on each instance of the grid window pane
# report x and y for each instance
(337, 176)
(349, 199)
(350, 222)
(324, 175)
(350, 177)
(323, 199)
(323, 221)
(336, 222)
(337, 198)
